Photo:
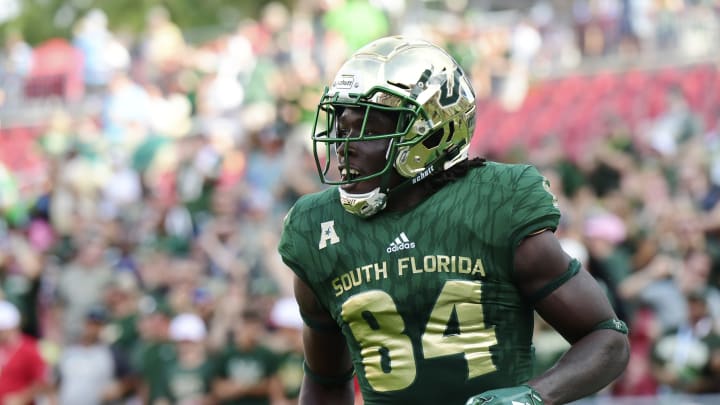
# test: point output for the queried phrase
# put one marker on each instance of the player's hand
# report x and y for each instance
(520, 395)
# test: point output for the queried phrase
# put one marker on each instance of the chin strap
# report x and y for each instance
(368, 204)
(436, 167)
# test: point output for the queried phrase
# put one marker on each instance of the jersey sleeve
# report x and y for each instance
(288, 246)
(534, 206)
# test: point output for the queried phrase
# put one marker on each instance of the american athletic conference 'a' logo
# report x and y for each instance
(327, 234)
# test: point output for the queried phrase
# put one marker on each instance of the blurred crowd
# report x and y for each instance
(140, 221)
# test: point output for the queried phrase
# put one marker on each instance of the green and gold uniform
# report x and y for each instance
(425, 298)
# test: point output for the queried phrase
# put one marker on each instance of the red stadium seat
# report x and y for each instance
(57, 71)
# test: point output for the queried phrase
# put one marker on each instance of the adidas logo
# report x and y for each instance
(400, 243)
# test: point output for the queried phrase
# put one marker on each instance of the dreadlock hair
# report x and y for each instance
(436, 182)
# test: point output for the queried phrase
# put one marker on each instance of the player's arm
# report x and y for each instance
(575, 305)
(328, 368)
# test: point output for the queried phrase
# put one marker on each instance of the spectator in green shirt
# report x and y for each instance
(245, 369)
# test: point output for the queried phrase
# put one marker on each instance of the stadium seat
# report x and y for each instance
(56, 72)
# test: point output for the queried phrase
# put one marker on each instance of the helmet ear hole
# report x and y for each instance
(434, 139)
(451, 131)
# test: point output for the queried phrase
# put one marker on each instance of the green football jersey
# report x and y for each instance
(425, 298)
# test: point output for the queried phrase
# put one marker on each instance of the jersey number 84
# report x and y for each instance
(387, 353)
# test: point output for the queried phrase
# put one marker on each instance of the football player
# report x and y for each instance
(420, 269)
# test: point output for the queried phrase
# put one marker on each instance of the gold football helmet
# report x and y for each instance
(432, 97)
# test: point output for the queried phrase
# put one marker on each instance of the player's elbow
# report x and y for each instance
(618, 351)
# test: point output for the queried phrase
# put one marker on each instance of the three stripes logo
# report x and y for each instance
(400, 243)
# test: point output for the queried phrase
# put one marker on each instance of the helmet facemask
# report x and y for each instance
(327, 138)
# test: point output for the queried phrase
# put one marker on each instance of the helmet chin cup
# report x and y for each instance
(363, 205)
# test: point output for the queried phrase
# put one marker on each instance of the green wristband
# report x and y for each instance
(521, 394)
(614, 324)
